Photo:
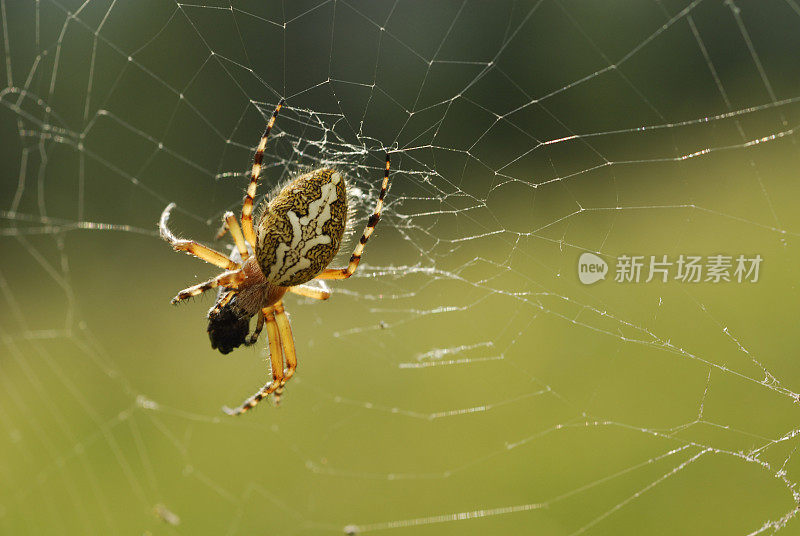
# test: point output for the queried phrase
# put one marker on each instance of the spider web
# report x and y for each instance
(464, 381)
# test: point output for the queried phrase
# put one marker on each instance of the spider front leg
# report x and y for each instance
(255, 173)
(191, 247)
(227, 279)
(230, 224)
(344, 273)
(276, 363)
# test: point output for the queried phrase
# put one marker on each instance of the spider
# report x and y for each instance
(296, 237)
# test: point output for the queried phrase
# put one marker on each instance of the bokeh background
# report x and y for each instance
(465, 381)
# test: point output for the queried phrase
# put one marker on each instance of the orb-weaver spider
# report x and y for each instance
(295, 239)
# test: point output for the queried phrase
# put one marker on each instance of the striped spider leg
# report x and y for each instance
(280, 347)
(255, 173)
(344, 273)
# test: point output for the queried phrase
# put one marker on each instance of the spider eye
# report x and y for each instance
(228, 328)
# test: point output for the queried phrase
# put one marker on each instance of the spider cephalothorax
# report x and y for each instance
(298, 234)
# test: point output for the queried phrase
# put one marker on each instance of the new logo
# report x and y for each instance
(591, 268)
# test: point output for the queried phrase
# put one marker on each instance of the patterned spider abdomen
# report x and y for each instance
(301, 229)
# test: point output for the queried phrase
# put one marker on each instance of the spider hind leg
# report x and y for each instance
(276, 364)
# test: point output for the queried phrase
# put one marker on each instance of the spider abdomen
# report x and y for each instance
(301, 229)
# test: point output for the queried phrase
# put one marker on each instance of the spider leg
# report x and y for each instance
(276, 363)
(311, 292)
(344, 273)
(226, 279)
(247, 207)
(259, 326)
(223, 302)
(191, 247)
(287, 340)
(230, 224)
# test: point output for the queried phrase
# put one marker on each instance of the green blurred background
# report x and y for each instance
(465, 382)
